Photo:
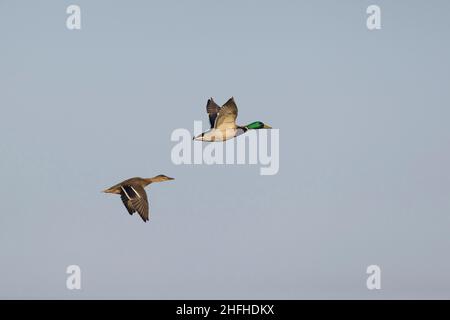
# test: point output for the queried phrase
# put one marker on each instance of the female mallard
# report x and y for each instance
(223, 122)
(133, 194)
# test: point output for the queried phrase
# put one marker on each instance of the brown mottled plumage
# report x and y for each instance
(133, 194)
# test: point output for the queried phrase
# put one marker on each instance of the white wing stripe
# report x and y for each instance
(126, 192)
(135, 191)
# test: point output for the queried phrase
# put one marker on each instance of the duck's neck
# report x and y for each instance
(241, 130)
(147, 181)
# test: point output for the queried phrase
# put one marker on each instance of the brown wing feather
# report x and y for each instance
(226, 118)
(212, 109)
(141, 206)
(127, 203)
(135, 199)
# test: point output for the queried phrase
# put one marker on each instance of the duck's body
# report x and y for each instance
(220, 134)
(133, 195)
(223, 122)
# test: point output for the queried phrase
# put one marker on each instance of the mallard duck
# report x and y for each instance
(133, 194)
(223, 122)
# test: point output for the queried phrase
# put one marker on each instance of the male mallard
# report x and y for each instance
(223, 122)
(133, 194)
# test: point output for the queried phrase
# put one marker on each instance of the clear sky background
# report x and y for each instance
(364, 149)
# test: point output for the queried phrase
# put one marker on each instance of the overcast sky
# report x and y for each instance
(364, 173)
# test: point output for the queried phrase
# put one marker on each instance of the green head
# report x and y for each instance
(258, 125)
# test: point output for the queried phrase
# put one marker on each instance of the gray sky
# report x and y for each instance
(364, 149)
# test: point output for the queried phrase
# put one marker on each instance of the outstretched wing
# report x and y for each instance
(212, 109)
(127, 203)
(226, 119)
(135, 199)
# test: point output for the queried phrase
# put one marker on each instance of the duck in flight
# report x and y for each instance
(223, 122)
(133, 194)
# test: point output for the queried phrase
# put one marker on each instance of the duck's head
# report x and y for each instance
(258, 125)
(161, 177)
